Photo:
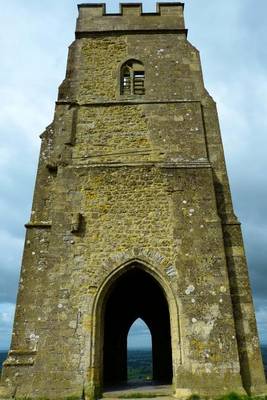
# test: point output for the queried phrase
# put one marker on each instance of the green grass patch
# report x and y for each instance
(229, 396)
(194, 397)
(235, 396)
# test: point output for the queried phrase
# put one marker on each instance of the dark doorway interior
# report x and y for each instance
(136, 294)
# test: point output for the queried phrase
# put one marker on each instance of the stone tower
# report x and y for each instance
(132, 217)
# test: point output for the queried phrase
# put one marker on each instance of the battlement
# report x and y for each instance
(93, 18)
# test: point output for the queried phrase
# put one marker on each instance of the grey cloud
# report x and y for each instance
(6, 322)
(10, 256)
(139, 335)
(9, 285)
(139, 327)
(234, 62)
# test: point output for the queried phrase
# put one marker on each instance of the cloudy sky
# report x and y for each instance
(34, 36)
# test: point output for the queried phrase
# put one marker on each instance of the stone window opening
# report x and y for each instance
(132, 78)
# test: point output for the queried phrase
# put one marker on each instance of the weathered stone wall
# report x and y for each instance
(141, 132)
(166, 58)
(126, 179)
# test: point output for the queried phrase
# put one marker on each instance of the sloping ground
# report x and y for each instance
(138, 390)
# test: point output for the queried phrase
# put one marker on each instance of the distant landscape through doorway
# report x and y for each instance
(139, 353)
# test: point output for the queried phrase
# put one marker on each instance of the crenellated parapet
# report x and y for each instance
(93, 18)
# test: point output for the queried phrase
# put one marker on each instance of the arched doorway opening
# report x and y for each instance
(139, 353)
(135, 294)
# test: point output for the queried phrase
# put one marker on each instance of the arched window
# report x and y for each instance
(132, 78)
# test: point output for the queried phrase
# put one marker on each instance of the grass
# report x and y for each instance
(139, 395)
(46, 398)
(230, 396)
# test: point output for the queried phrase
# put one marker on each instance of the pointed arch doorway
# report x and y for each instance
(135, 294)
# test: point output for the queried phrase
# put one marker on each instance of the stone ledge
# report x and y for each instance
(157, 31)
(40, 225)
(157, 164)
(123, 102)
(20, 357)
(22, 352)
